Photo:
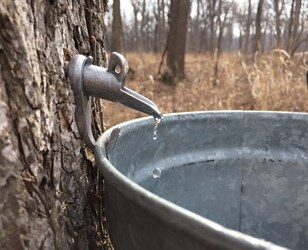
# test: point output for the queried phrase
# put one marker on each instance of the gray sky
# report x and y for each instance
(127, 9)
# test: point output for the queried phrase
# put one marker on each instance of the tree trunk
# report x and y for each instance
(204, 44)
(218, 44)
(159, 32)
(294, 33)
(136, 8)
(222, 19)
(247, 31)
(290, 26)
(163, 25)
(230, 37)
(50, 192)
(278, 11)
(240, 41)
(212, 15)
(296, 18)
(142, 31)
(177, 38)
(293, 40)
(257, 44)
(196, 29)
(117, 39)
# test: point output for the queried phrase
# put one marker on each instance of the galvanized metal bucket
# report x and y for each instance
(221, 180)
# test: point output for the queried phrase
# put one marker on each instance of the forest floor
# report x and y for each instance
(269, 82)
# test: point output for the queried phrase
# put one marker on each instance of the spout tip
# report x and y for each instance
(158, 115)
(153, 110)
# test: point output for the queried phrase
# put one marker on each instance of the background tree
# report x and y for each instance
(223, 11)
(258, 34)
(176, 46)
(143, 25)
(295, 32)
(51, 193)
(159, 24)
(278, 7)
(117, 39)
(136, 7)
(212, 13)
(248, 27)
(146, 30)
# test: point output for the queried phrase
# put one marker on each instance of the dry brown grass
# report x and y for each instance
(269, 82)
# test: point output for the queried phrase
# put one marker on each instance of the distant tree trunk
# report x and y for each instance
(177, 38)
(204, 46)
(159, 30)
(136, 8)
(163, 5)
(156, 34)
(157, 16)
(117, 38)
(278, 7)
(230, 37)
(51, 193)
(296, 18)
(293, 36)
(222, 19)
(240, 41)
(258, 35)
(271, 42)
(143, 24)
(218, 44)
(197, 31)
(264, 43)
(295, 32)
(290, 25)
(248, 25)
(163, 34)
(212, 15)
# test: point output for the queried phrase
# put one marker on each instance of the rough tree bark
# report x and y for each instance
(117, 37)
(50, 192)
(177, 38)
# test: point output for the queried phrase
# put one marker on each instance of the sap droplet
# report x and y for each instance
(157, 121)
(156, 173)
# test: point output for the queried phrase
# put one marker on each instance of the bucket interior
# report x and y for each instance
(247, 171)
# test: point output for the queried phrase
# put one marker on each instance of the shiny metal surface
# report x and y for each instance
(228, 180)
(88, 81)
